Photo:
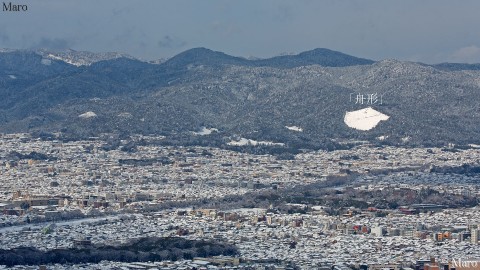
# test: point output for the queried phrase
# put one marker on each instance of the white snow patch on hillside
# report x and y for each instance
(244, 141)
(294, 128)
(364, 119)
(382, 138)
(79, 58)
(124, 115)
(88, 115)
(78, 63)
(206, 131)
(46, 62)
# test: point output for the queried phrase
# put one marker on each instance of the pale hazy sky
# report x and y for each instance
(430, 31)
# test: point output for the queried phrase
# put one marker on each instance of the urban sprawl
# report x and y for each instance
(73, 194)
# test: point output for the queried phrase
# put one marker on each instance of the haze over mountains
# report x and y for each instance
(85, 94)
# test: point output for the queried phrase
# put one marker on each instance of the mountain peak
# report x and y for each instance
(320, 51)
(319, 56)
(327, 57)
(204, 56)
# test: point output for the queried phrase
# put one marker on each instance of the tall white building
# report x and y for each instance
(377, 231)
(474, 236)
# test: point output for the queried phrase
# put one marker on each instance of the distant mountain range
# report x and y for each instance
(85, 94)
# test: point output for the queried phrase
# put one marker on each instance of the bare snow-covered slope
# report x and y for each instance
(88, 115)
(80, 58)
(294, 128)
(244, 141)
(364, 119)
